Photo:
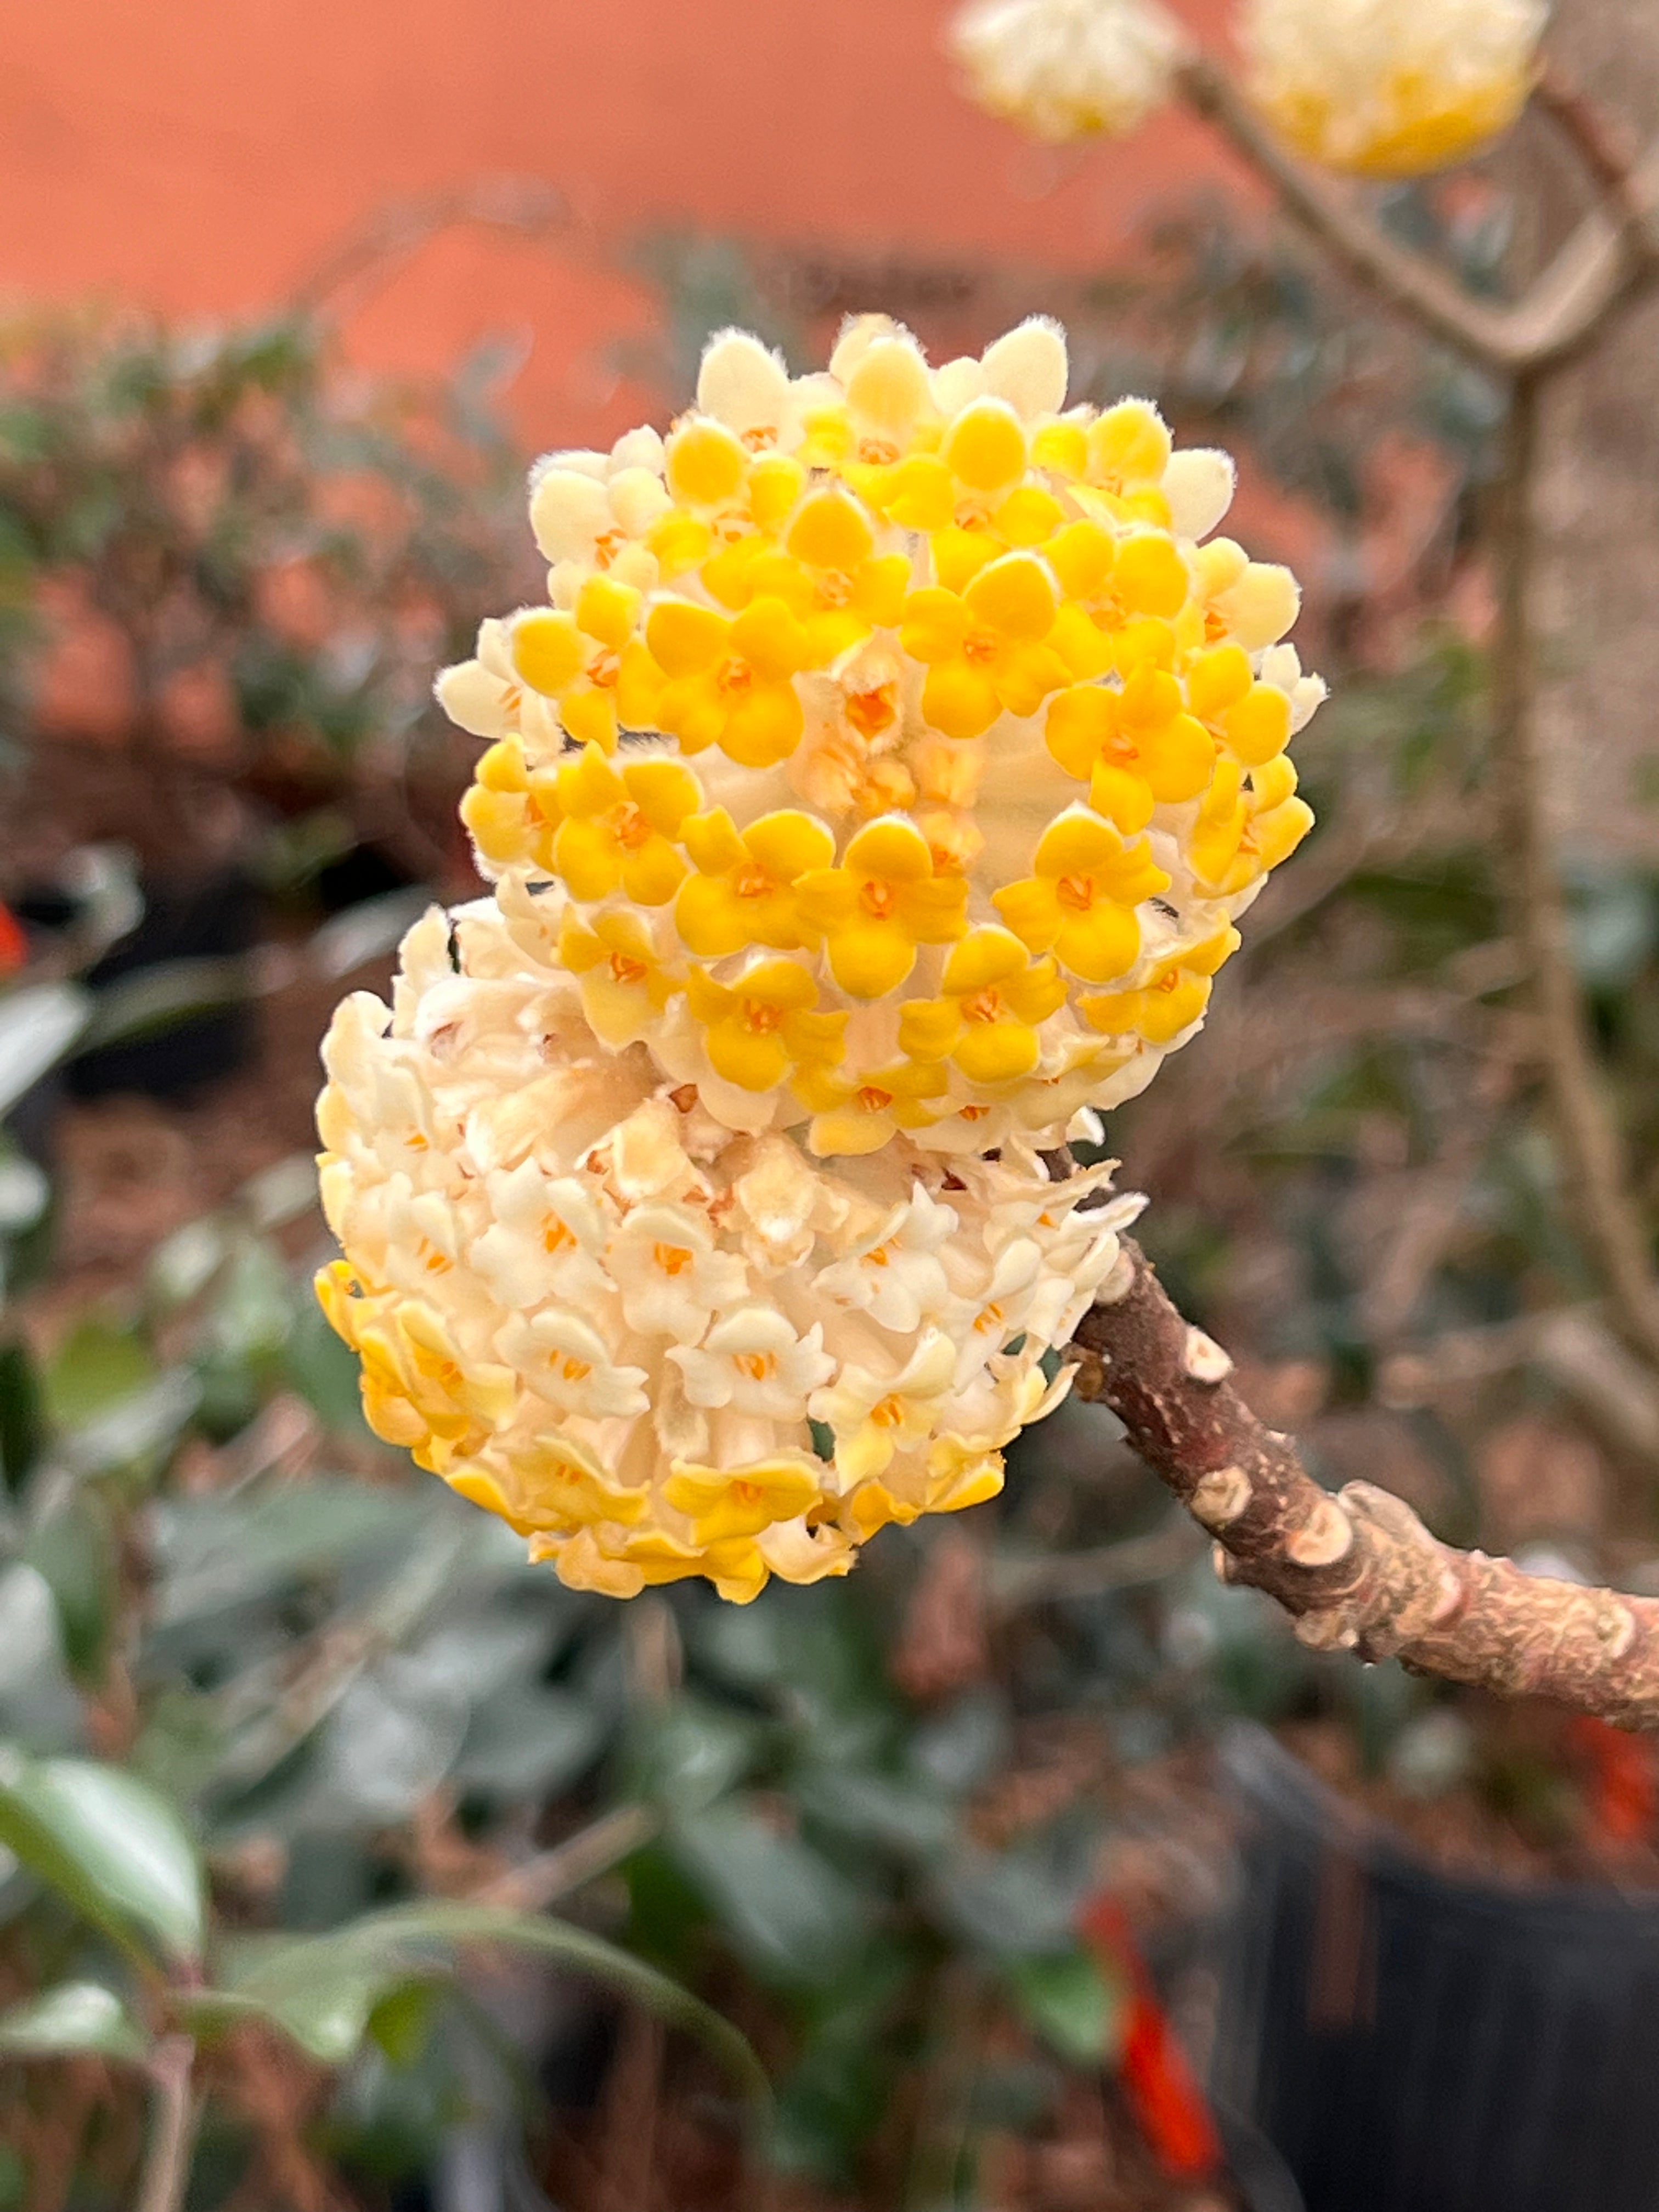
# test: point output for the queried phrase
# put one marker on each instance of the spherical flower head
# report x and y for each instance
(1067, 68)
(656, 1348)
(896, 744)
(875, 793)
(1391, 87)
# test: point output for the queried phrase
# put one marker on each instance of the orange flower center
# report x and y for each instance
(981, 646)
(878, 452)
(752, 881)
(607, 545)
(1170, 982)
(872, 712)
(878, 898)
(870, 1098)
(1077, 892)
(672, 1259)
(761, 1018)
(984, 1006)
(574, 1369)
(627, 970)
(758, 1365)
(890, 1413)
(554, 1235)
(735, 678)
(633, 830)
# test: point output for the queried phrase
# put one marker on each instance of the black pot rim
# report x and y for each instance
(1274, 1778)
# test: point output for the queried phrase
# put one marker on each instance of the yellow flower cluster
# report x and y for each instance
(1067, 68)
(903, 742)
(657, 1348)
(875, 793)
(1391, 87)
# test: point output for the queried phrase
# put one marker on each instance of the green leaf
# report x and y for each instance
(100, 1365)
(1070, 2004)
(790, 1914)
(323, 1991)
(109, 1844)
(75, 2020)
(401, 2023)
(691, 1752)
(527, 1742)
(22, 1424)
(73, 1548)
(38, 1025)
(892, 1811)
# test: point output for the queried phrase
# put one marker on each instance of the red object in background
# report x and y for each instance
(1163, 2095)
(1624, 1778)
(14, 945)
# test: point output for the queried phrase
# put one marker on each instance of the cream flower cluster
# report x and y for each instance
(956, 742)
(1391, 87)
(875, 793)
(656, 1347)
(1067, 68)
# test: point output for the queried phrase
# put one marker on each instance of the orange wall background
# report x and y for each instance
(204, 156)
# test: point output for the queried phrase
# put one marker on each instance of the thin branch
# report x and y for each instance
(1597, 1193)
(1357, 1571)
(167, 2165)
(1601, 146)
(581, 1858)
(1133, 1560)
(1601, 264)
(369, 254)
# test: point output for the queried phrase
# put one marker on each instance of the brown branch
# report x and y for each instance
(1601, 145)
(1602, 264)
(1358, 1569)
(1598, 1193)
(371, 253)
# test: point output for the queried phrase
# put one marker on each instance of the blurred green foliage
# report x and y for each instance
(250, 522)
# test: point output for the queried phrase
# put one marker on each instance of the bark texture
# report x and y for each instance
(1357, 1570)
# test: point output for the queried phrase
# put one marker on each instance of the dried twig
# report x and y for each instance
(1357, 1570)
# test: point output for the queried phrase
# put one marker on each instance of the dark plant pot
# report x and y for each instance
(1260, 2177)
(1416, 2044)
(210, 919)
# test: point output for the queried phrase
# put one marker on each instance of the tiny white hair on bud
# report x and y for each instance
(1027, 367)
(1199, 483)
